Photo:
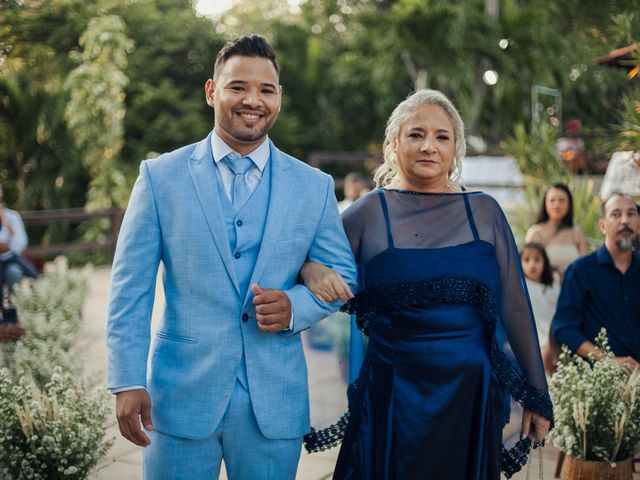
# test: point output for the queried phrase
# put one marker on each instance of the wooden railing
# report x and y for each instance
(39, 253)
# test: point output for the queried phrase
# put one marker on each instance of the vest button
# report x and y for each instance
(239, 223)
(237, 255)
(245, 317)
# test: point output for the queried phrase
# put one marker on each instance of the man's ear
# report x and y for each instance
(601, 225)
(209, 89)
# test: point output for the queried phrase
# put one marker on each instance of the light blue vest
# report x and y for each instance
(245, 229)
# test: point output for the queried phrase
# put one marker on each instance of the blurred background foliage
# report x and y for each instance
(89, 88)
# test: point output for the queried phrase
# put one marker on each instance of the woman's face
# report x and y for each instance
(425, 149)
(532, 264)
(557, 204)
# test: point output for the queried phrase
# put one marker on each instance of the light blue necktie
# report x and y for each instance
(240, 191)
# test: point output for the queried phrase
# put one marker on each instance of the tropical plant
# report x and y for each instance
(629, 126)
(535, 151)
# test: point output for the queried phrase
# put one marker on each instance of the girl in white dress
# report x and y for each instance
(543, 292)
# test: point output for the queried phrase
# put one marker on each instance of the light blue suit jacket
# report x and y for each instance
(191, 363)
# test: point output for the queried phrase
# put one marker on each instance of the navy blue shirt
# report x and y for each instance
(596, 294)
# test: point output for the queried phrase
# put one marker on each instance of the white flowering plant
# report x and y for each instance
(58, 432)
(52, 419)
(596, 406)
(50, 307)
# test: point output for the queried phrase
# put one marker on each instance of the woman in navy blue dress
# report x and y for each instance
(439, 273)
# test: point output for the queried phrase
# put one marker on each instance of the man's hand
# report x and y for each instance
(132, 408)
(626, 364)
(534, 426)
(11, 331)
(273, 309)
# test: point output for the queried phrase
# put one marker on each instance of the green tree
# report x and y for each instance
(39, 166)
(174, 56)
(95, 111)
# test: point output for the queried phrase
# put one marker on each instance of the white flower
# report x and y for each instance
(596, 405)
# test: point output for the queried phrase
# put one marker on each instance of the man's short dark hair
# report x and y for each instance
(355, 177)
(603, 205)
(245, 46)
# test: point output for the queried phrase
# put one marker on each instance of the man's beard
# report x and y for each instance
(243, 134)
(625, 244)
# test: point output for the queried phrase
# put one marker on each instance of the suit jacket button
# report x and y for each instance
(245, 317)
(239, 223)
(237, 255)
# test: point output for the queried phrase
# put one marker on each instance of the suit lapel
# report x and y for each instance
(203, 174)
(279, 199)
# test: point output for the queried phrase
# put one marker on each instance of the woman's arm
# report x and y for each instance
(581, 242)
(324, 283)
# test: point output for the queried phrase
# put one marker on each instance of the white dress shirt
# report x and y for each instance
(17, 239)
(260, 157)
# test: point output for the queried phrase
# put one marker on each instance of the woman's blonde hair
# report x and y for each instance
(387, 174)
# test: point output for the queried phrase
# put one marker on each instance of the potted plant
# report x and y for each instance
(597, 415)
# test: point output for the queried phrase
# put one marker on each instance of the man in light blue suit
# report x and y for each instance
(232, 219)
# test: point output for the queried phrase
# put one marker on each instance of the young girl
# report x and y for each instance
(543, 293)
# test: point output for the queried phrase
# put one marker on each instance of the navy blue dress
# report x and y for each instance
(430, 398)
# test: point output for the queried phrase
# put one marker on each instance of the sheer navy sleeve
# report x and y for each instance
(514, 309)
(438, 221)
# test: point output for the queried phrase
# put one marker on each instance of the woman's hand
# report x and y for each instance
(534, 426)
(324, 283)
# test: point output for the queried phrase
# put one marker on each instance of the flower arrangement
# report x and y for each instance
(54, 433)
(597, 407)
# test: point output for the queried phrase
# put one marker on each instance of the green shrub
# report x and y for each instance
(53, 301)
(535, 151)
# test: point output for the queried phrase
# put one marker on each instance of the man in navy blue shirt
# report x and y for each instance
(603, 290)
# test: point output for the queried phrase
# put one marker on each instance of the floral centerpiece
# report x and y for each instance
(597, 407)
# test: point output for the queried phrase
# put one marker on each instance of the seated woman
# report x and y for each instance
(438, 269)
(555, 230)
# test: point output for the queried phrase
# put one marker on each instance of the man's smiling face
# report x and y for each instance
(246, 99)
